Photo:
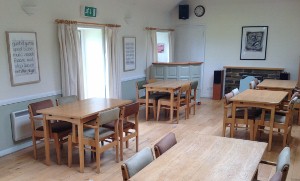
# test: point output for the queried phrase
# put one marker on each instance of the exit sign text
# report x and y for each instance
(89, 11)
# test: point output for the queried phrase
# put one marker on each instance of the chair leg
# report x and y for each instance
(154, 109)
(34, 147)
(57, 148)
(70, 150)
(137, 143)
(98, 159)
(284, 138)
(158, 110)
(224, 129)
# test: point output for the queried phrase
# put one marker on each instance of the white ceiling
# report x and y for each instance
(159, 5)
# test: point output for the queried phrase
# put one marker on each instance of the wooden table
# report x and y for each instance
(278, 85)
(77, 113)
(203, 157)
(169, 86)
(265, 99)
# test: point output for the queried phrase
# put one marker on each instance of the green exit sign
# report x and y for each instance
(89, 11)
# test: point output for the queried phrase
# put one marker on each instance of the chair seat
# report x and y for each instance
(58, 127)
(252, 113)
(126, 125)
(278, 118)
(103, 133)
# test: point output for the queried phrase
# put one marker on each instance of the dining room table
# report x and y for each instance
(168, 86)
(265, 99)
(77, 113)
(278, 85)
(206, 158)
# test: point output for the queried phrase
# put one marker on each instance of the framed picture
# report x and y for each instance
(22, 58)
(160, 48)
(254, 42)
(129, 51)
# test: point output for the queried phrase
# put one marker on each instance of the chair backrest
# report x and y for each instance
(244, 83)
(108, 116)
(66, 100)
(227, 97)
(277, 176)
(33, 107)
(283, 162)
(136, 163)
(140, 86)
(252, 85)
(130, 109)
(194, 85)
(164, 144)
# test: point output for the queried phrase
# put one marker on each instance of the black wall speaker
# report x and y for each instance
(218, 76)
(184, 12)
(284, 76)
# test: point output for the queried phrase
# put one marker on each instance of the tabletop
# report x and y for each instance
(203, 157)
(280, 84)
(84, 108)
(170, 84)
(260, 96)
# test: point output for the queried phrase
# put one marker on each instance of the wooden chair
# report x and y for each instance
(96, 134)
(181, 102)
(164, 144)
(59, 130)
(66, 100)
(136, 163)
(282, 165)
(127, 129)
(243, 116)
(282, 121)
(153, 97)
(193, 96)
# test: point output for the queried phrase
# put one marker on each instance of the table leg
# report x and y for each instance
(171, 107)
(233, 120)
(147, 103)
(81, 149)
(46, 137)
(271, 128)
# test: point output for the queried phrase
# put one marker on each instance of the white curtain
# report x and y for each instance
(113, 80)
(171, 45)
(151, 50)
(71, 60)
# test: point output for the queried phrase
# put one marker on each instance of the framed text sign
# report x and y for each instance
(129, 52)
(22, 57)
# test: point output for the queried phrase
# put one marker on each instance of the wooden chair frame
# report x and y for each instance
(38, 134)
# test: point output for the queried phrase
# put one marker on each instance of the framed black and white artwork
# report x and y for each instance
(129, 51)
(254, 43)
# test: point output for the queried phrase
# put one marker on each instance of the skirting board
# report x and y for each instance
(16, 148)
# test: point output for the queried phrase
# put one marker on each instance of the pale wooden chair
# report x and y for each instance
(59, 130)
(96, 134)
(127, 129)
(181, 102)
(164, 144)
(136, 163)
(282, 165)
(283, 121)
(153, 97)
(193, 96)
(243, 116)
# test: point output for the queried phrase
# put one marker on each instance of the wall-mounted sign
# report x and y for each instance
(88, 11)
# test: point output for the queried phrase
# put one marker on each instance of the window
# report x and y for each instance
(163, 46)
(94, 74)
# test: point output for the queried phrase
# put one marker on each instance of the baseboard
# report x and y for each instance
(15, 148)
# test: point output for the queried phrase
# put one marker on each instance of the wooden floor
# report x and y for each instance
(208, 120)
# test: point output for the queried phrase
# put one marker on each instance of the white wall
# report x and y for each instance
(13, 18)
(224, 20)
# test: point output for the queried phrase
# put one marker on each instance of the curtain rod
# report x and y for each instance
(62, 21)
(151, 28)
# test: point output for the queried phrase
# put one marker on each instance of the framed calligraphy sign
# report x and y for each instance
(129, 52)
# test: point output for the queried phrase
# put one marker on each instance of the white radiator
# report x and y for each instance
(20, 125)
